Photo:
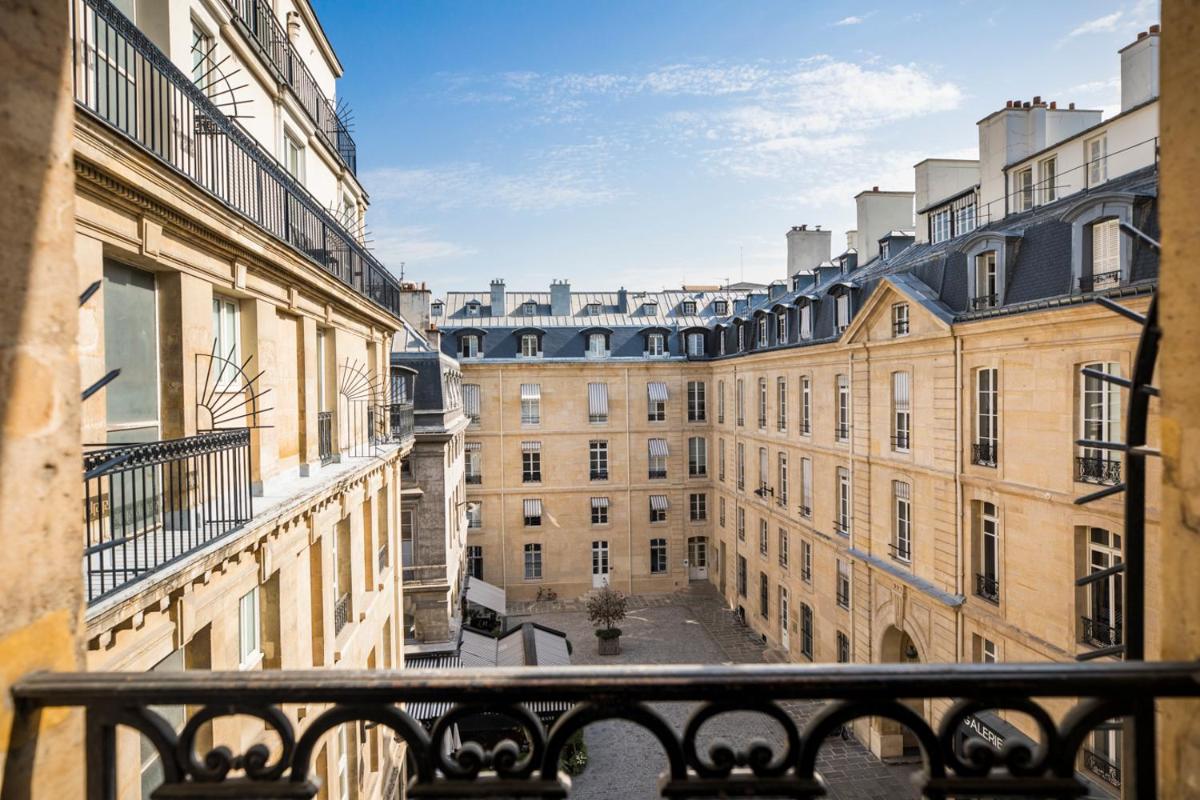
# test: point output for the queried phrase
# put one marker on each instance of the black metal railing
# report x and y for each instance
(805, 511)
(258, 22)
(122, 79)
(841, 528)
(900, 441)
(841, 432)
(148, 505)
(341, 613)
(325, 436)
(843, 596)
(598, 475)
(1101, 280)
(987, 587)
(657, 474)
(401, 421)
(568, 699)
(901, 551)
(984, 454)
(474, 479)
(1100, 632)
(1097, 469)
(899, 327)
(984, 301)
(1100, 766)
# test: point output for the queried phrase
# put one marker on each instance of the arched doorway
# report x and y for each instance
(892, 739)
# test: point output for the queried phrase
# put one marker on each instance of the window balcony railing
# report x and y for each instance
(325, 436)
(805, 429)
(1100, 632)
(341, 613)
(988, 588)
(568, 699)
(900, 327)
(843, 598)
(257, 20)
(841, 528)
(1099, 281)
(1097, 469)
(984, 454)
(1100, 766)
(657, 474)
(148, 505)
(841, 432)
(598, 475)
(123, 80)
(474, 479)
(401, 421)
(901, 551)
(805, 510)
(984, 301)
(901, 441)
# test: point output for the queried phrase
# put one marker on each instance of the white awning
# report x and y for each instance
(471, 399)
(599, 502)
(658, 502)
(658, 448)
(531, 447)
(531, 391)
(658, 392)
(533, 508)
(598, 399)
(473, 447)
(485, 594)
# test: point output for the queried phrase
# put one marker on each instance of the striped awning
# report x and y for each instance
(473, 447)
(598, 399)
(599, 502)
(657, 391)
(531, 391)
(658, 448)
(471, 399)
(531, 447)
(658, 502)
(533, 508)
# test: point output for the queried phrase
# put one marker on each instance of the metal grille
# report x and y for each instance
(325, 436)
(341, 613)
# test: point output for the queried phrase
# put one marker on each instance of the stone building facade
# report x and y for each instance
(242, 446)
(889, 436)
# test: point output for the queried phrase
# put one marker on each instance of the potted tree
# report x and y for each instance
(605, 609)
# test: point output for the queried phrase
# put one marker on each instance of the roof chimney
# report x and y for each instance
(1139, 70)
(560, 298)
(807, 247)
(498, 298)
(622, 300)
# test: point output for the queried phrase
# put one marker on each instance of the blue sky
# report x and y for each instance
(647, 143)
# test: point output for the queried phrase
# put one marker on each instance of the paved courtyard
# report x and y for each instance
(693, 626)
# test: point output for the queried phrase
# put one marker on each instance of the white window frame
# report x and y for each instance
(987, 411)
(806, 487)
(293, 156)
(806, 331)
(530, 347)
(842, 308)
(784, 546)
(697, 457)
(843, 501)
(939, 225)
(658, 556)
(1095, 158)
(250, 651)
(655, 345)
(697, 506)
(531, 407)
(781, 409)
(844, 580)
(781, 327)
(1100, 411)
(763, 331)
(533, 567)
(987, 280)
(1048, 179)
(781, 470)
(597, 345)
(806, 561)
(469, 345)
(762, 403)
(842, 433)
(900, 320)
(901, 411)
(598, 460)
(227, 336)
(695, 344)
(1023, 189)
(805, 405)
(902, 521)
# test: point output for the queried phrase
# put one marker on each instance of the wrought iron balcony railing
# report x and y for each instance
(122, 79)
(841, 432)
(900, 327)
(984, 454)
(1100, 632)
(987, 587)
(1097, 469)
(1099, 281)
(805, 510)
(474, 479)
(567, 699)
(657, 474)
(901, 441)
(598, 475)
(341, 613)
(325, 436)
(841, 527)
(401, 421)
(901, 551)
(147, 505)
(1100, 766)
(984, 301)
(257, 20)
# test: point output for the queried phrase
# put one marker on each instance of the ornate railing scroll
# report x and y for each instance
(227, 395)
(526, 764)
(361, 394)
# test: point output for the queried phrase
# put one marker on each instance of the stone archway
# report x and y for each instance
(890, 739)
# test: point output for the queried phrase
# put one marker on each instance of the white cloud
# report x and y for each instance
(1106, 24)
(414, 245)
(851, 20)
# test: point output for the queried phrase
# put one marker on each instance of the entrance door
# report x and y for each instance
(599, 564)
(783, 617)
(698, 558)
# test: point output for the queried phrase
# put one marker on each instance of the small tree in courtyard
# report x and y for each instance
(605, 609)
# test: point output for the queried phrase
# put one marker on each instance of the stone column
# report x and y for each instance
(258, 337)
(184, 330)
(41, 495)
(310, 457)
(1179, 376)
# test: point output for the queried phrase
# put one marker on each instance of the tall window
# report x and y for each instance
(721, 511)
(533, 512)
(843, 409)
(806, 561)
(741, 575)
(471, 402)
(1100, 420)
(740, 522)
(739, 402)
(987, 417)
(598, 460)
(741, 337)
(697, 456)
(784, 548)
(225, 338)
(764, 545)
(688, 308)
(293, 157)
(1096, 151)
(597, 345)
(762, 472)
(805, 405)
(900, 319)
(657, 458)
(529, 345)
(781, 327)
(721, 402)
(842, 311)
(964, 217)
(202, 58)
(533, 562)
(1023, 189)
(698, 506)
(475, 561)
(655, 344)
(740, 466)
(806, 321)
(720, 459)
(131, 345)
(939, 226)
(656, 401)
(695, 344)
(843, 583)
(598, 402)
(843, 648)
(658, 556)
(474, 515)
(408, 532)
(1103, 624)
(249, 629)
(473, 462)
(806, 631)
(781, 409)
(901, 411)
(531, 403)
(468, 345)
(782, 483)
(985, 281)
(806, 487)
(763, 341)
(902, 521)
(764, 596)
(531, 462)
(695, 401)
(599, 510)
(842, 523)
(762, 402)
(1048, 169)
(987, 545)
(1106, 254)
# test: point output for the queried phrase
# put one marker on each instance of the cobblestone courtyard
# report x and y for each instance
(693, 626)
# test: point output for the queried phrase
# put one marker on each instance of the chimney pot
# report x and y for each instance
(1071, 107)
(1155, 29)
(874, 188)
(1053, 104)
(1037, 99)
(1142, 35)
(1025, 104)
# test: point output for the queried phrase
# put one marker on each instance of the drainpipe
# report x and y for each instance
(853, 496)
(503, 490)
(628, 482)
(959, 645)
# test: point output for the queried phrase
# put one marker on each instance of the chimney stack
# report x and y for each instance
(560, 298)
(807, 247)
(498, 298)
(1139, 69)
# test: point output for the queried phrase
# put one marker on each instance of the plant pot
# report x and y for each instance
(609, 640)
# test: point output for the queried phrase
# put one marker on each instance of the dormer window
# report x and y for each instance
(650, 307)
(1023, 189)
(806, 321)
(530, 345)
(964, 217)
(762, 331)
(843, 311)
(655, 344)
(1106, 254)
(939, 226)
(468, 346)
(900, 319)
(435, 310)
(985, 281)
(592, 309)
(741, 337)
(781, 327)
(472, 309)
(695, 344)
(597, 345)
(720, 307)
(688, 307)
(529, 308)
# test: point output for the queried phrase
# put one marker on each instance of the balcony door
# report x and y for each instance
(131, 345)
(600, 564)
(698, 558)
(784, 610)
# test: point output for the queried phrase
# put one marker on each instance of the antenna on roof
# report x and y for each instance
(401, 270)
